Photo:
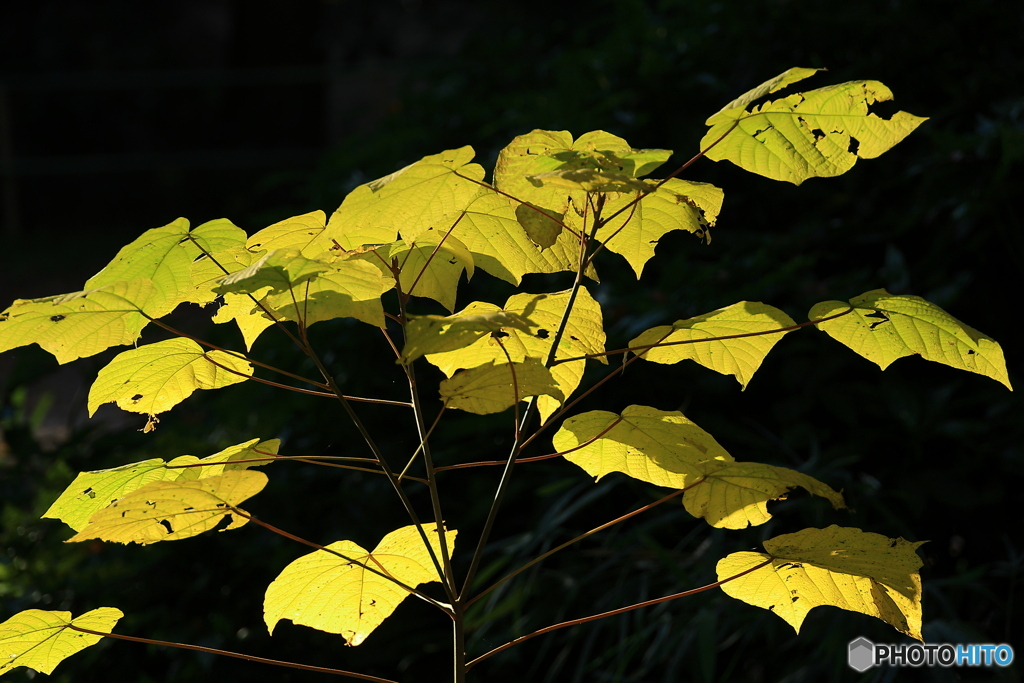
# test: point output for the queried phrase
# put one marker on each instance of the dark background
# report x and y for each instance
(116, 117)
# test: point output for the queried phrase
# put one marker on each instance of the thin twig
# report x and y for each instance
(236, 655)
(621, 610)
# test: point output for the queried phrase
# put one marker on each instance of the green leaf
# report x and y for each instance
(660, 447)
(431, 268)
(81, 324)
(332, 590)
(350, 289)
(884, 327)
(426, 194)
(173, 510)
(847, 568)
(153, 378)
(820, 133)
(739, 357)
(437, 334)
(41, 639)
(91, 492)
(494, 387)
(735, 495)
(300, 233)
(590, 180)
(676, 205)
(584, 334)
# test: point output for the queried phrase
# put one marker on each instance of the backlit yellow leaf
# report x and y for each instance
(739, 357)
(660, 447)
(884, 327)
(173, 510)
(820, 133)
(154, 378)
(334, 589)
(847, 568)
(41, 639)
(493, 388)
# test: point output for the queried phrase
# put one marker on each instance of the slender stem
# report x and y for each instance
(593, 531)
(426, 438)
(432, 255)
(379, 571)
(506, 474)
(435, 499)
(515, 384)
(646, 347)
(236, 655)
(535, 458)
(612, 613)
(236, 354)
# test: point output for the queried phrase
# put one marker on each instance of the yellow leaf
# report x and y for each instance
(847, 568)
(90, 492)
(884, 327)
(336, 590)
(776, 84)
(493, 388)
(437, 334)
(82, 324)
(820, 133)
(735, 494)
(173, 510)
(301, 233)
(426, 194)
(660, 447)
(739, 357)
(584, 334)
(154, 378)
(41, 639)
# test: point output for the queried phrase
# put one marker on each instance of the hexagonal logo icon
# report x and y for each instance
(861, 654)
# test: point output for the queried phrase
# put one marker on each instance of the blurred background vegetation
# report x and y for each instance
(116, 117)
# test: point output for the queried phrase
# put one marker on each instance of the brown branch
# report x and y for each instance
(236, 655)
(645, 347)
(612, 613)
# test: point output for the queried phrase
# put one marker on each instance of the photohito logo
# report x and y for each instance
(863, 654)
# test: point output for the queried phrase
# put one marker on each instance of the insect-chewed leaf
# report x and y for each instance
(494, 387)
(437, 334)
(675, 205)
(156, 377)
(427, 194)
(81, 324)
(344, 589)
(820, 133)
(734, 495)
(739, 357)
(847, 568)
(584, 334)
(776, 84)
(660, 447)
(884, 327)
(41, 639)
(172, 510)
(90, 492)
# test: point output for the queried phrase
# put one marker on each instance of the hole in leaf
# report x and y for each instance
(89, 492)
(56, 318)
(499, 334)
(853, 146)
(818, 134)
(167, 525)
(877, 314)
(543, 334)
(136, 398)
(971, 352)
